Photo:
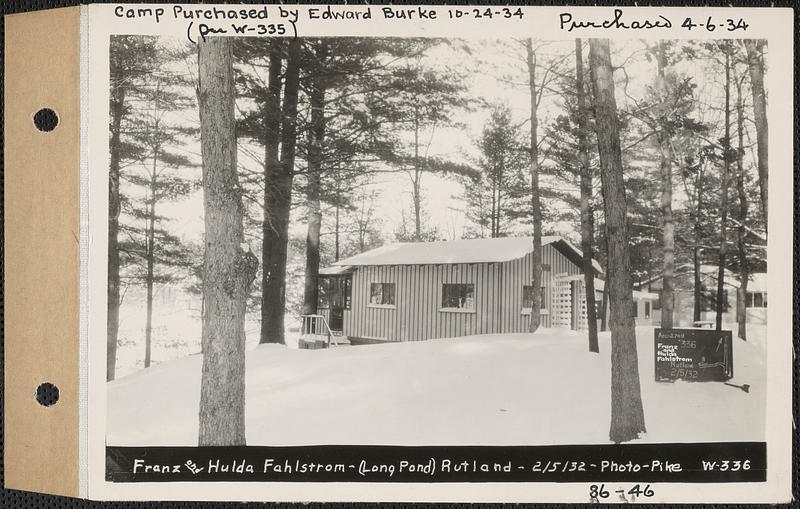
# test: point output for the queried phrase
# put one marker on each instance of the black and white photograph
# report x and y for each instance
(373, 253)
(436, 241)
(381, 253)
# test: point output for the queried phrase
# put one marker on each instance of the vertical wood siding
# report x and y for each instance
(519, 273)
(417, 314)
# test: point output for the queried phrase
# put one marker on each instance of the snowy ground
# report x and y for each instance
(513, 389)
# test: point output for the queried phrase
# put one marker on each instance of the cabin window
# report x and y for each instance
(323, 299)
(458, 296)
(527, 297)
(657, 302)
(756, 300)
(335, 291)
(635, 309)
(647, 310)
(708, 300)
(381, 294)
(348, 291)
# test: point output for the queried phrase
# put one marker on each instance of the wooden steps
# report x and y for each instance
(316, 333)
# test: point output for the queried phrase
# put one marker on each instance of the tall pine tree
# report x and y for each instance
(627, 414)
(230, 268)
(131, 59)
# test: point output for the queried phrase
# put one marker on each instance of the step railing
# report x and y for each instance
(317, 325)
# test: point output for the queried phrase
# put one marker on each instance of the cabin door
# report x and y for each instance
(337, 318)
(340, 300)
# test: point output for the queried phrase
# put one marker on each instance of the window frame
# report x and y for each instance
(324, 293)
(598, 303)
(383, 304)
(543, 309)
(657, 302)
(347, 284)
(327, 286)
(450, 309)
(750, 300)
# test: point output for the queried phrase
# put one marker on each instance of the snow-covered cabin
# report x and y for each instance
(426, 290)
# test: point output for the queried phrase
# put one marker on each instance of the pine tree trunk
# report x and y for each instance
(744, 275)
(151, 262)
(755, 59)
(698, 237)
(337, 248)
(416, 188)
(417, 206)
(536, 206)
(151, 235)
(148, 327)
(604, 306)
(117, 111)
(316, 137)
(278, 210)
(664, 138)
(627, 415)
(498, 221)
(272, 127)
(494, 210)
(222, 390)
(587, 214)
(604, 303)
(723, 243)
(698, 283)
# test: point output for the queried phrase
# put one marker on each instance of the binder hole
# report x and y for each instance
(45, 120)
(47, 394)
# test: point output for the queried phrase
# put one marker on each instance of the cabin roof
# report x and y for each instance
(336, 270)
(757, 282)
(599, 285)
(495, 250)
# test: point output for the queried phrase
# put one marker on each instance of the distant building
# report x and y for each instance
(644, 304)
(755, 299)
(419, 291)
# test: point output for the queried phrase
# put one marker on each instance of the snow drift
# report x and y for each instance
(510, 389)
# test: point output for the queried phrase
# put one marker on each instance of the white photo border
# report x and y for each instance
(773, 24)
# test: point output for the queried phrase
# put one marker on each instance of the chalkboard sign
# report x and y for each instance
(694, 355)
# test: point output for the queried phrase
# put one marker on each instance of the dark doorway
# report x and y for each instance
(337, 295)
(337, 318)
(340, 300)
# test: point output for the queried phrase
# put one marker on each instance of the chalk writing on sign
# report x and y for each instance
(693, 355)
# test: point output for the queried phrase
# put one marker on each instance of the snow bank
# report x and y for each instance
(512, 389)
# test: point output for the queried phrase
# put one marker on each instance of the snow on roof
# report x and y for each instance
(501, 249)
(708, 276)
(757, 282)
(336, 270)
(599, 285)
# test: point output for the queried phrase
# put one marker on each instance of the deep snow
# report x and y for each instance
(511, 389)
